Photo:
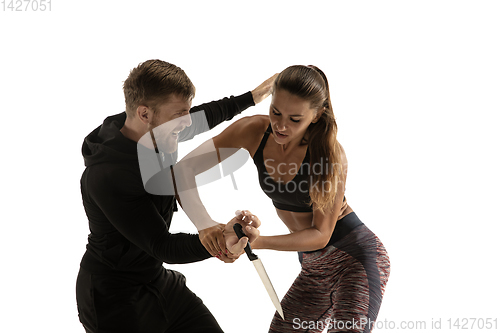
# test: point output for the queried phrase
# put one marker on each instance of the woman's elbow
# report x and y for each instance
(320, 242)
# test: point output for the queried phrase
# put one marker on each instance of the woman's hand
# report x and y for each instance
(250, 223)
(222, 242)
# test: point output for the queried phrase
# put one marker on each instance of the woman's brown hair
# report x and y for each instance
(310, 84)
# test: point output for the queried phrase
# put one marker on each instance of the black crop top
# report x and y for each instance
(293, 195)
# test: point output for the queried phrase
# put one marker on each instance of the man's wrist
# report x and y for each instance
(209, 225)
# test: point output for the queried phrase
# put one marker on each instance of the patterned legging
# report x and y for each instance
(340, 286)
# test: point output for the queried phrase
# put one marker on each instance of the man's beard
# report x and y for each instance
(162, 137)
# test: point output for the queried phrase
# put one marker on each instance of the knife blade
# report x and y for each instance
(238, 229)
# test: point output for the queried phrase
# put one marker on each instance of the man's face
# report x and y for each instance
(170, 118)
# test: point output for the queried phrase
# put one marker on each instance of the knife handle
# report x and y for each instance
(238, 229)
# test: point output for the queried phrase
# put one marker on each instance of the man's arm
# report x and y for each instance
(131, 211)
(207, 116)
(225, 109)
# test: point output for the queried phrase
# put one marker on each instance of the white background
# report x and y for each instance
(415, 88)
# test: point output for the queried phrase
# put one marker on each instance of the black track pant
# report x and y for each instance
(165, 305)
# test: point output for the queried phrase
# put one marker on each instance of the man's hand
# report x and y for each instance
(250, 223)
(265, 89)
(213, 240)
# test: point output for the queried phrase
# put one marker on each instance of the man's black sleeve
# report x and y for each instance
(207, 116)
(132, 213)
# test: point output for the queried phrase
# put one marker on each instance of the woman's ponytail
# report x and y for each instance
(311, 84)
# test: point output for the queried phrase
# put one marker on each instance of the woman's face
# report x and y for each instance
(290, 116)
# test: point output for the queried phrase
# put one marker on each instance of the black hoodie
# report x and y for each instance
(129, 228)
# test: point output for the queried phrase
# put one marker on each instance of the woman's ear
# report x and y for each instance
(318, 115)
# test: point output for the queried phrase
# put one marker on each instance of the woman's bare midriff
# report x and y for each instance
(296, 221)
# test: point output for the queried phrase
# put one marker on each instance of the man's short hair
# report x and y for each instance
(151, 84)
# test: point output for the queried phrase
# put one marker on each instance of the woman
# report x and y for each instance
(302, 168)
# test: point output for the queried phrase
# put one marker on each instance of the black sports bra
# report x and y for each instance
(293, 195)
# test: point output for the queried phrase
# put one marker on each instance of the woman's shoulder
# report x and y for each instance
(244, 133)
(253, 124)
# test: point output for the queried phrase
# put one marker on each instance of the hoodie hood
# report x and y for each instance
(106, 143)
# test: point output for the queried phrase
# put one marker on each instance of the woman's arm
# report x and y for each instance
(310, 239)
(241, 134)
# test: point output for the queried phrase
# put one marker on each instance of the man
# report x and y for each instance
(122, 285)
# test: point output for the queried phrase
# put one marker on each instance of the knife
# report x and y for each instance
(238, 229)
